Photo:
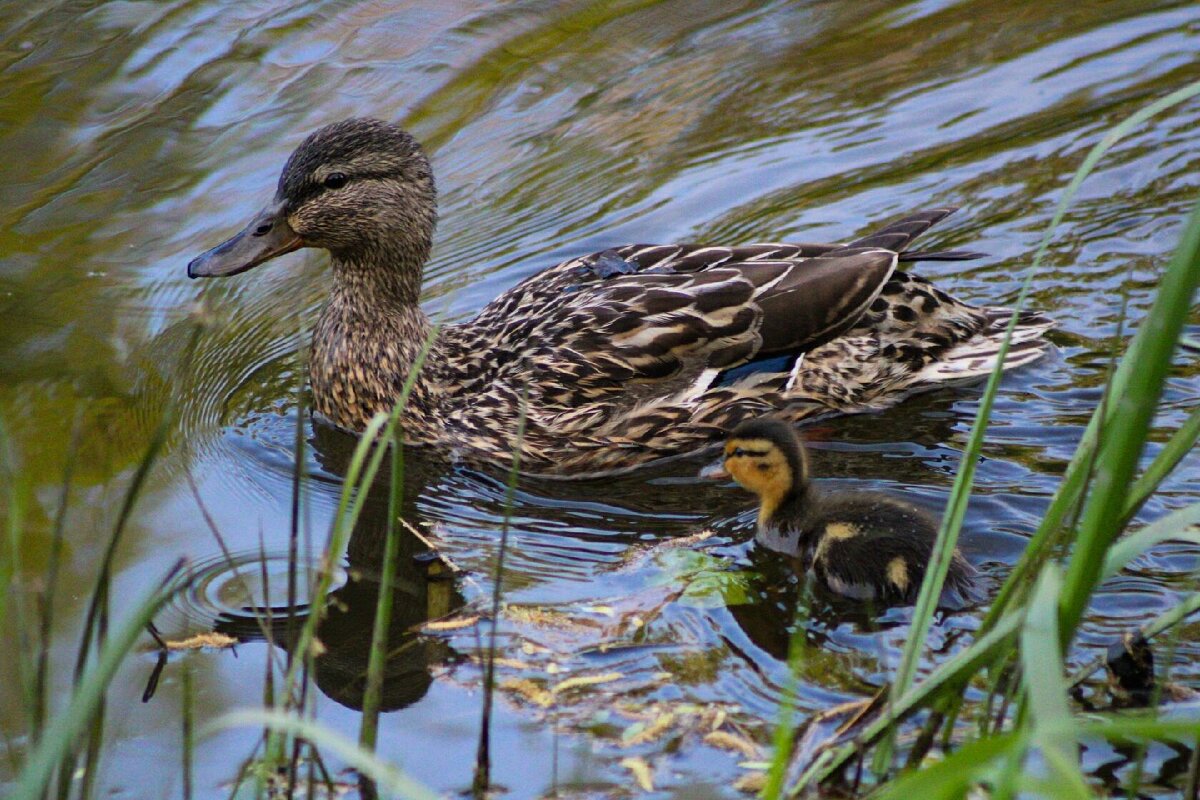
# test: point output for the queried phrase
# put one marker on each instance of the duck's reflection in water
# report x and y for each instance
(423, 588)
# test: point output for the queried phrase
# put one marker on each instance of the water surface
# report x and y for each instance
(138, 134)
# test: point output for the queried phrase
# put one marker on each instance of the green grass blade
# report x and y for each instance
(377, 657)
(11, 589)
(1125, 437)
(481, 781)
(1174, 525)
(187, 750)
(66, 726)
(1046, 689)
(1180, 443)
(386, 776)
(960, 494)
(785, 728)
(954, 777)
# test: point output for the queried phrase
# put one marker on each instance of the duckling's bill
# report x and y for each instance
(715, 471)
(268, 235)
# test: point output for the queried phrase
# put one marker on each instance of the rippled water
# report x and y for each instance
(137, 134)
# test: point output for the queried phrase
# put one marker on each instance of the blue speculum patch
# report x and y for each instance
(771, 363)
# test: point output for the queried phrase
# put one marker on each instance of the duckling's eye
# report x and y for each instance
(738, 452)
(335, 180)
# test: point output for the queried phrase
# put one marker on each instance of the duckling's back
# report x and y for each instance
(871, 546)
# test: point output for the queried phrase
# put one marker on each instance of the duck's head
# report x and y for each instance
(766, 457)
(360, 188)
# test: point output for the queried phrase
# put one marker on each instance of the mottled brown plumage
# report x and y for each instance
(862, 545)
(623, 357)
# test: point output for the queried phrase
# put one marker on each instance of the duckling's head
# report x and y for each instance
(765, 456)
(360, 188)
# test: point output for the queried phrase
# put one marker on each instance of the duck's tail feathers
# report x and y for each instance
(974, 359)
(899, 235)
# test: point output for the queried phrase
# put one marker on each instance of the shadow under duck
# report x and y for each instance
(622, 357)
(862, 545)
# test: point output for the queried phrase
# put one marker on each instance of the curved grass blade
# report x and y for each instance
(1177, 446)
(1179, 525)
(954, 777)
(386, 777)
(373, 691)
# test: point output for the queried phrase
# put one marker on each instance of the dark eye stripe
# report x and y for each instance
(741, 451)
(303, 190)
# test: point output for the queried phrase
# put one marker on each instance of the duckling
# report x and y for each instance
(861, 545)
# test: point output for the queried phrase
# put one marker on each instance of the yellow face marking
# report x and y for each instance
(897, 572)
(760, 466)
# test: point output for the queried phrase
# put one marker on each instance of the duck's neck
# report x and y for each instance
(782, 519)
(384, 273)
(370, 333)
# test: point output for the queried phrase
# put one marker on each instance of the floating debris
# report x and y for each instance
(449, 624)
(643, 732)
(529, 690)
(209, 640)
(829, 728)
(586, 680)
(640, 552)
(642, 772)
(507, 663)
(545, 618)
(603, 610)
(751, 783)
(731, 741)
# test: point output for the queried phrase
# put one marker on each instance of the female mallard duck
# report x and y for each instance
(863, 545)
(621, 357)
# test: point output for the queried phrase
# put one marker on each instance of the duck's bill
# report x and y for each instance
(715, 471)
(268, 235)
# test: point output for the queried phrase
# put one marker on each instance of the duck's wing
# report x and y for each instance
(641, 315)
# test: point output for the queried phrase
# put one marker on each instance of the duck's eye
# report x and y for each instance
(335, 180)
(738, 452)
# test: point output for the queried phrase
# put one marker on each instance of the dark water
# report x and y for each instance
(137, 134)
